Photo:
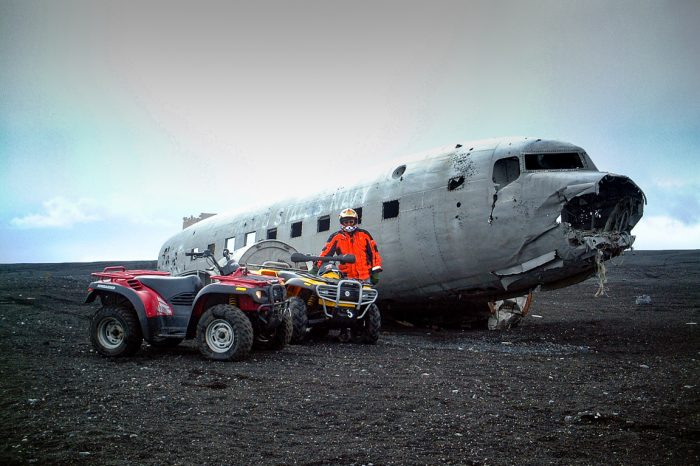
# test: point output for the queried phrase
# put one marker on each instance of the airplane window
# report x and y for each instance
(359, 214)
(324, 223)
(390, 209)
(272, 233)
(553, 161)
(249, 238)
(398, 172)
(230, 243)
(506, 171)
(212, 248)
(296, 230)
(455, 182)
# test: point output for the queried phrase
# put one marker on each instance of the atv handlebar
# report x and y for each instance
(344, 259)
(210, 259)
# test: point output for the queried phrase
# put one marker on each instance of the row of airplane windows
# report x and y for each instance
(390, 209)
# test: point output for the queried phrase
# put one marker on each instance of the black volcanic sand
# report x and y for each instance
(583, 380)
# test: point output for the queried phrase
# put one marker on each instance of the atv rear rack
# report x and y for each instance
(121, 272)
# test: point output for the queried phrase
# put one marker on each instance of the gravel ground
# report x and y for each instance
(582, 380)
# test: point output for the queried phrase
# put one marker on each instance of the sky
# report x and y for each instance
(118, 118)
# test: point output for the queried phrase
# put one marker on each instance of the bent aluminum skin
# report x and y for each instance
(482, 220)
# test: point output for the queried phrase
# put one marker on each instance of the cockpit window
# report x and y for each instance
(506, 171)
(553, 161)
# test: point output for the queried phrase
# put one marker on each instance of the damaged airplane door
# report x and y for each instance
(476, 222)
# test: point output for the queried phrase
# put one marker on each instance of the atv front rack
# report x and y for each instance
(347, 294)
(272, 314)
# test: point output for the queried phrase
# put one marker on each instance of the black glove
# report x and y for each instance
(374, 277)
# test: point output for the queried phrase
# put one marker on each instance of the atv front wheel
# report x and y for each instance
(115, 331)
(224, 333)
(299, 319)
(277, 338)
(368, 329)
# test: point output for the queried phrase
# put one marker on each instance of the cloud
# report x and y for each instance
(59, 213)
(670, 184)
(663, 232)
(676, 198)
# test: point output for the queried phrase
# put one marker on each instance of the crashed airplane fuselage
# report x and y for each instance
(482, 220)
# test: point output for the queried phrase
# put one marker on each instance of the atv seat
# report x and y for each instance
(168, 287)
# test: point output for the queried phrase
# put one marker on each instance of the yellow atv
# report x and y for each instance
(318, 301)
(326, 300)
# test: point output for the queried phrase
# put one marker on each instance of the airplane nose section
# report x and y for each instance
(602, 215)
(597, 218)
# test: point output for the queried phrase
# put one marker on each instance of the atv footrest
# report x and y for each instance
(171, 332)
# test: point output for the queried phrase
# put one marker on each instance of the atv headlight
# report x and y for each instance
(260, 294)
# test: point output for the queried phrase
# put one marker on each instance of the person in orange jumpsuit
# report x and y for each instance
(353, 240)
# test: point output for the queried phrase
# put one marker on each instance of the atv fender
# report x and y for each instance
(200, 300)
(218, 291)
(303, 287)
(128, 294)
(225, 289)
(300, 282)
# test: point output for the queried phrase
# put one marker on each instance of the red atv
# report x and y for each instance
(226, 316)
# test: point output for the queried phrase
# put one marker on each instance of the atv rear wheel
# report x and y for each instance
(224, 333)
(367, 330)
(300, 321)
(277, 338)
(115, 331)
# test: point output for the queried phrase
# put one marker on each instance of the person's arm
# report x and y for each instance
(330, 249)
(376, 257)
(376, 265)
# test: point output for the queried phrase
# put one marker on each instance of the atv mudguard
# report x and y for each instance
(302, 282)
(219, 292)
(205, 293)
(100, 289)
(224, 289)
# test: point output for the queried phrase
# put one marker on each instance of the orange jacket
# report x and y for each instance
(362, 245)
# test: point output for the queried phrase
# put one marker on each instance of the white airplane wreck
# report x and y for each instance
(466, 232)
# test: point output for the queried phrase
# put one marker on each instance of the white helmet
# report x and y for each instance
(348, 220)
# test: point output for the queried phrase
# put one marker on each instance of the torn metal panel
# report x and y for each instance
(515, 273)
(613, 243)
(574, 190)
(507, 281)
(529, 265)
